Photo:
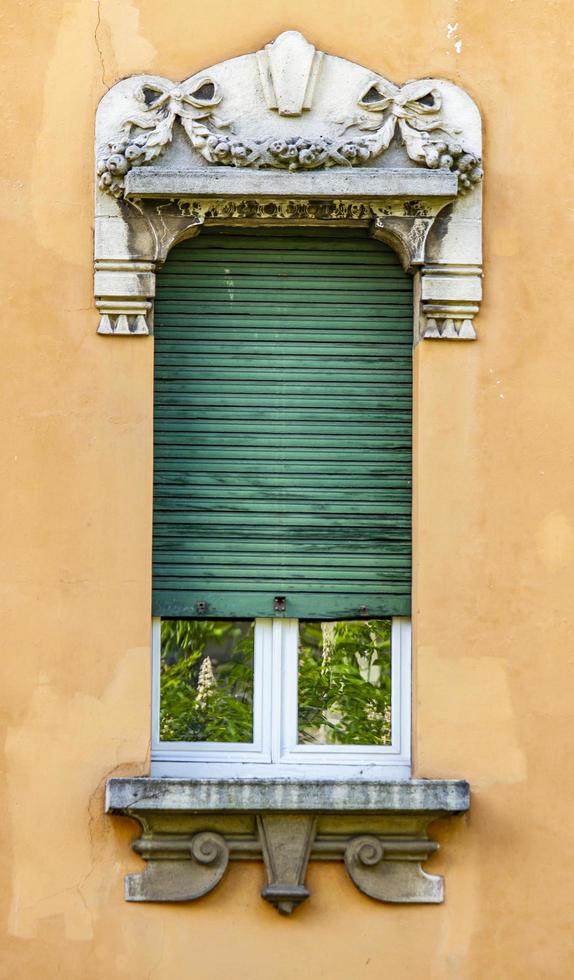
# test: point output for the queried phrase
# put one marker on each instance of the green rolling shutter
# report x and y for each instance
(282, 426)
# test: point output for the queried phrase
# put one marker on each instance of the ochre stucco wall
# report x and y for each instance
(494, 522)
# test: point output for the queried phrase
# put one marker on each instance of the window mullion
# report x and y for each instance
(289, 630)
(263, 687)
(276, 666)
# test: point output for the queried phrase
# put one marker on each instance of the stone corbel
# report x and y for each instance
(406, 234)
(191, 829)
(178, 868)
(124, 290)
(450, 298)
(390, 870)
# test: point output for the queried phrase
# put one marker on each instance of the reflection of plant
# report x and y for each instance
(206, 681)
(345, 682)
(206, 685)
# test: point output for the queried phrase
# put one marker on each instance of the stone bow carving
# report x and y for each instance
(144, 137)
(415, 107)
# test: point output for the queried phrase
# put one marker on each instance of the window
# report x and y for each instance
(281, 693)
(282, 500)
(282, 439)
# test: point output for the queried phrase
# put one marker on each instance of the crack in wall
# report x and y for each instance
(97, 43)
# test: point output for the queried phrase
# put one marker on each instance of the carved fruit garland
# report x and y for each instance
(415, 108)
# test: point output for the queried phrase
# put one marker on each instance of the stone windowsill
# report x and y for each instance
(193, 827)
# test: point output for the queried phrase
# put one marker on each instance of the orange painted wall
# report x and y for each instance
(494, 521)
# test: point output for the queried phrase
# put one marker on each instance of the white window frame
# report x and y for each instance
(275, 751)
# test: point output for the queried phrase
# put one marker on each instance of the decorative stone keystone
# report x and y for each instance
(192, 828)
(286, 842)
(288, 69)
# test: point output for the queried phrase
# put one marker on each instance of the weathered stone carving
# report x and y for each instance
(178, 869)
(288, 69)
(399, 224)
(144, 136)
(286, 66)
(450, 298)
(301, 209)
(390, 870)
(289, 135)
(448, 328)
(191, 828)
(124, 294)
(406, 233)
(286, 841)
(417, 110)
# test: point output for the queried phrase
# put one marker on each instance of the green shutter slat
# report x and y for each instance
(282, 426)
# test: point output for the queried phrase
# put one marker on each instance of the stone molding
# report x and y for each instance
(191, 829)
(238, 144)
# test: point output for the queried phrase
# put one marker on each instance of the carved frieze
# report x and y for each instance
(297, 209)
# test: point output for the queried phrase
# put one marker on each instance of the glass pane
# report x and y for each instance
(344, 683)
(206, 681)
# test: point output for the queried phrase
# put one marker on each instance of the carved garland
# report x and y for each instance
(415, 108)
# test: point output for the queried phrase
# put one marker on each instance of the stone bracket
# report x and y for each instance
(390, 870)
(191, 829)
(450, 297)
(407, 234)
(124, 290)
(178, 870)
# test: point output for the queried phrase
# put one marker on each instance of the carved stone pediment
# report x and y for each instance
(226, 117)
(288, 111)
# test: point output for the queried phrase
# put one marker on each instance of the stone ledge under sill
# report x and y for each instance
(192, 828)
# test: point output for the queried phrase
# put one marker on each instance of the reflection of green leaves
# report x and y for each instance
(345, 683)
(224, 713)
